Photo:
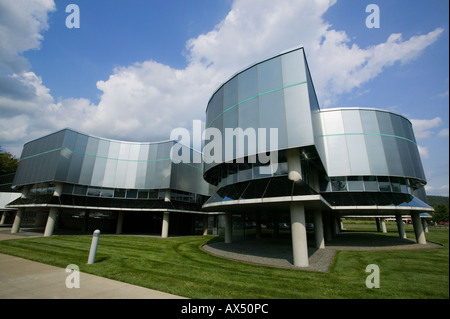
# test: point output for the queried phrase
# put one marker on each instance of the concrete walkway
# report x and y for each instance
(24, 279)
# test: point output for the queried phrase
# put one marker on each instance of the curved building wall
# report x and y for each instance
(358, 142)
(350, 156)
(276, 93)
(74, 158)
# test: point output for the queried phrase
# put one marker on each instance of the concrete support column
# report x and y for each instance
(418, 229)
(294, 164)
(119, 223)
(17, 220)
(400, 226)
(299, 240)
(165, 225)
(51, 221)
(383, 225)
(205, 225)
(377, 221)
(2, 220)
(318, 230)
(424, 225)
(58, 189)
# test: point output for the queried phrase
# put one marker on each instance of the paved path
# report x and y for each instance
(24, 279)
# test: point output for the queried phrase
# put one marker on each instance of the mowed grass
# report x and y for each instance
(179, 266)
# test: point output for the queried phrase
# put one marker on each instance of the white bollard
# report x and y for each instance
(94, 245)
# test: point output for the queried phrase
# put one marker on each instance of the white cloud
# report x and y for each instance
(144, 101)
(21, 27)
(443, 133)
(423, 151)
(423, 128)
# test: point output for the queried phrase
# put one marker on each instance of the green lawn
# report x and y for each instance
(179, 266)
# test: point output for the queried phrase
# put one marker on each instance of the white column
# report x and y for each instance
(58, 189)
(294, 165)
(205, 225)
(2, 221)
(165, 225)
(400, 226)
(298, 230)
(318, 230)
(119, 223)
(383, 225)
(17, 220)
(228, 227)
(418, 229)
(51, 221)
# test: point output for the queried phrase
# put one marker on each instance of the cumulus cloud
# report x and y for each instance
(146, 100)
(423, 128)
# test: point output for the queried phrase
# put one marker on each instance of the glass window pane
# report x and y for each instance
(375, 153)
(355, 183)
(247, 84)
(293, 68)
(298, 116)
(142, 194)
(272, 115)
(131, 193)
(338, 184)
(119, 193)
(269, 75)
(370, 183)
(384, 184)
(111, 164)
(393, 158)
(357, 154)
(384, 123)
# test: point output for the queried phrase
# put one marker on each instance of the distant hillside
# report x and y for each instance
(436, 200)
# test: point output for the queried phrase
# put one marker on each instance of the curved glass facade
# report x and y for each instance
(368, 142)
(343, 151)
(276, 93)
(98, 167)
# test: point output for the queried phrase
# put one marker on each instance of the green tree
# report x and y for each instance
(440, 213)
(8, 163)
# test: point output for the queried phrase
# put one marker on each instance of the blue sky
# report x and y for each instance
(136, 69)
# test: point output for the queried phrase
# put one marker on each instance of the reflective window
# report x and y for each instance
(247, 84)
(298, 116)
(370, 183)
(355, 183)
(338, 184)
(272, 115)
(119, 193)
(269, 75)
(375, 153)
(384, 184)
(384, 123)
(293, 68)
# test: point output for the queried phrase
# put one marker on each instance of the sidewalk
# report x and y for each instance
(25, 279)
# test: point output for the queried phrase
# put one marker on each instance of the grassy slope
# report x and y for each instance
(179, 266)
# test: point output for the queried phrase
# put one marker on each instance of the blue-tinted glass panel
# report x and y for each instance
(269, 75)
(247, 84)
(272, 115)
(293, 68)
(298, 116)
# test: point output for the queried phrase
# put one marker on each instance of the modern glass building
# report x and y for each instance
(276, 159)
(327, 163)
(90, 181)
